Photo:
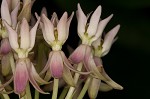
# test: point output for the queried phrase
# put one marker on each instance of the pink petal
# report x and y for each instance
(20, 77)
(101, 26)
(54, 19)
(94, 22)
(14, 14)
(108, 40)
(48, 29)
(78, 55)
(68, 25)
(44, 11)
(82, 20)
(62, 27)
(56, 65)
(5, 46)
(24, 33)
(33, 34)
(13, 37)
(5, 14)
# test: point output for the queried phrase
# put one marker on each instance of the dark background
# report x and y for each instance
(128, 61)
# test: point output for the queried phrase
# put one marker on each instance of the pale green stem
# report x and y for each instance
(36, 96)
(63, 93)
(5, 96)
(55, 88)
(76, 77)
(12, 63)
(28, 92)
(84, 89)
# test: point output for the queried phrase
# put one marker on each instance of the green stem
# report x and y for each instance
(36, 96)
(76, 77)
(5, 96)
(63, 93)
(28, 92)
(84, 89)
(55, 88)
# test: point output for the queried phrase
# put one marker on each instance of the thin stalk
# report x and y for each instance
(84, 89)
(55, 88)
(28, 92)
(76, 77)
(5, 96)
(63, 93)
(36, 95)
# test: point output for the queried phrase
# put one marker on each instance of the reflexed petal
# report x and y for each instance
(94, 22)
(14, 14)
(48, 28)
(62, 27)
(5, 14)
(90, 64)
(47, 64)
(31, 78)
(105, 87)
(20, 77)
(108, 40)
(68, 77)
(13, 37)
(24, 33)
(36, 75)
(56, 65)
(78, 55)
(33, 34)
(82, 20)
(101, 26)
(111, 82)
(94, 88)
(98, 61)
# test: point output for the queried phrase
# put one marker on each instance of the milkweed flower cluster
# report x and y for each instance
(31, 53)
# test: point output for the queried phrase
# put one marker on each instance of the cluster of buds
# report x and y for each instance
(31, 52)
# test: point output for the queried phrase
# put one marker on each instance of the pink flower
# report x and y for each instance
(25, 70)
(56, 31)
(102, 48)
(89, 32)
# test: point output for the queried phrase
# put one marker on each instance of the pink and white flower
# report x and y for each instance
(24, 70)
